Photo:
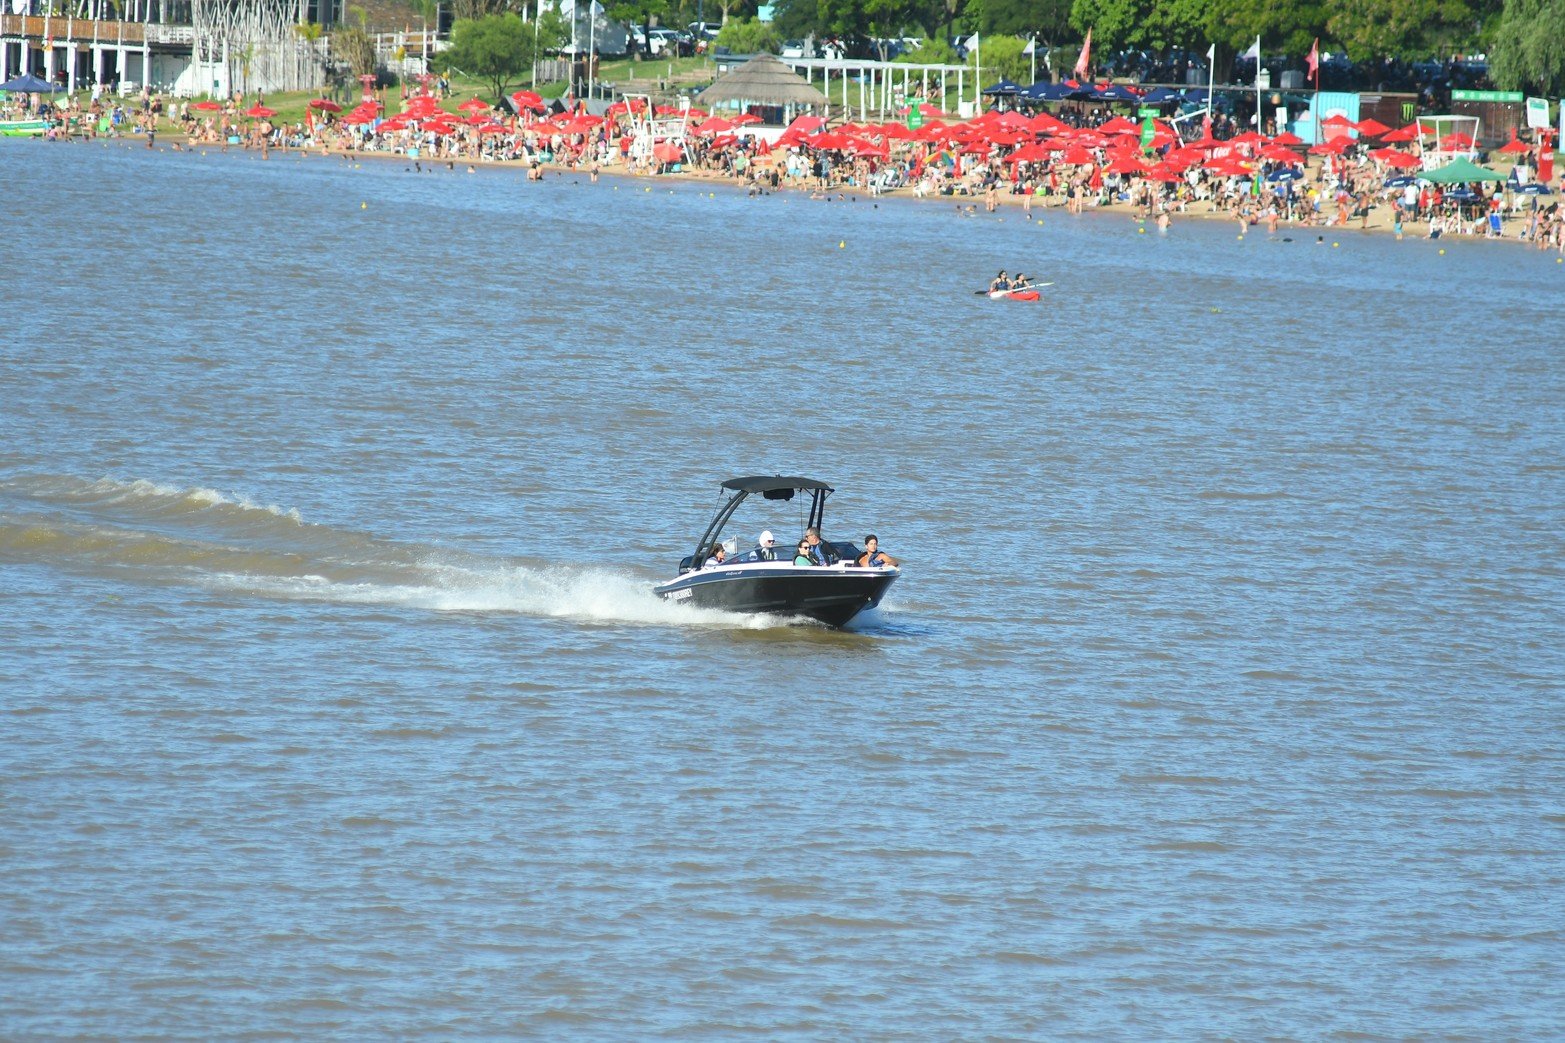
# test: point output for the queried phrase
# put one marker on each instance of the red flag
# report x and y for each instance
(1313, 61)
(1085, 61)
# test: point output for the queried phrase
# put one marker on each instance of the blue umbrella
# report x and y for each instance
(1400, 182)
(1536, 188)
(1003, 87)
(27, 83)
(1285, 174)
(1462, 195)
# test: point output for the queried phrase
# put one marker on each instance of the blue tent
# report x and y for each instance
(1047, 92)
(27, 83)
(1003, 87)
(1161, 95)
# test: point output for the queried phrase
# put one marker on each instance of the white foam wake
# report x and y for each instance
(565, 592)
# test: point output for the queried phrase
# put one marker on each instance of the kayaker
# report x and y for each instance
(1021, 282)
(1000, 283)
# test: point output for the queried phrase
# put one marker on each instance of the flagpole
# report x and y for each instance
(1259, 127)
(1211, 83)
(1032, 53)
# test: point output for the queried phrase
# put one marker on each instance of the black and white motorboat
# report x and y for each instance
(765, 579)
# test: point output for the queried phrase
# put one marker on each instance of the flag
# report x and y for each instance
(1211, 53)
(1254, 51)
(1032, 46)
(1312, 60)
(1085, 61)
(971, 43)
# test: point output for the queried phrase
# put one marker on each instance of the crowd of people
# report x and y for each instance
(1076, 157)
(810, 552)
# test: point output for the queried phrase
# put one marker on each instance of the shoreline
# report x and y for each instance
(1380, 220)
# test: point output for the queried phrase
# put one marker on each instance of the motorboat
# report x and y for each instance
(766, 580)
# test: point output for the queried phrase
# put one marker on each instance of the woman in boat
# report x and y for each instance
(1000, 283)
(1021, 282)
(802, 555)
(719, 557)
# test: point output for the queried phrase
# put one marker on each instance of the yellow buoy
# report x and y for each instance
(364, 206)
(1334, 245)
(842, 245)
(1442, 251)
(1141, 231)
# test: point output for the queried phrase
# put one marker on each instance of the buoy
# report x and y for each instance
(1559, 260)
(711, 195)
(842, 245)
(1334, 245)
(1141, 231)
(1442, 251)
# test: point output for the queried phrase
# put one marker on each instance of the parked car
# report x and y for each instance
(795, 49)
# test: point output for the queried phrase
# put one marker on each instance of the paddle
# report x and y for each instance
(1029, 286)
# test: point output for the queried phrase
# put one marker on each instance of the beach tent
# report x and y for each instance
(1460, 171)
(763, 80)
(27, 83)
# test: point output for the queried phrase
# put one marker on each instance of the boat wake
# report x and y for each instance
(145, 532)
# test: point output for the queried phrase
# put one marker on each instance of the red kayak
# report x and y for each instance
(1013, 295)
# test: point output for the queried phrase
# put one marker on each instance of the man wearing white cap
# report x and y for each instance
(766, 547)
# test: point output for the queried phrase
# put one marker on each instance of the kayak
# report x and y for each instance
(1013, 295)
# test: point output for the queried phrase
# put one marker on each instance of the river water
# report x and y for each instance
(1221, 694)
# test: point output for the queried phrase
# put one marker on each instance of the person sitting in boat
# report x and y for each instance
(765, 547)
(1000, 282)
(875, 558)
(719, 557)
(802, 556)
(1021, 282)
(820, 553)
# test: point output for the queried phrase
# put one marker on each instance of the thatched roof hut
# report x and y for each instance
(763, 80)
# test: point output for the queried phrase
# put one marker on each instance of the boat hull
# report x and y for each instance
(829, 595)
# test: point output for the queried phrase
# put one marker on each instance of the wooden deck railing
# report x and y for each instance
(84, 30)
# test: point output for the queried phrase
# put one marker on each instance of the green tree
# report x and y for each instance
(1405, 28)
(747, 36)
(354, 47)
(496, 47)
(1002, 58)
(1529, 47)
(930, 52)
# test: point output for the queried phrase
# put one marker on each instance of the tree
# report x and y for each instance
(1404, 28)
(1529, 47)
(1002, 59)
(353, 46)
(496, 47)
(747, 36)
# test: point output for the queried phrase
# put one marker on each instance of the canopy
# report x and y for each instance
(763, 483)
(1461, 171)
(27, 83)
(1003, 87)
(765, 81)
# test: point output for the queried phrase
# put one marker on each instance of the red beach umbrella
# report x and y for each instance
(527, 100)
(1452, 142)
(744, 119)
(1076, 156)
(1391, 157)
(260, 112)
(474, 105)
(667, 152)
(324, 105)
(1515, 147)
(1286, 138)
(1127, 165)
(715, 125)
(207, 106)
(1337, 120)
(1120, 125)
(1033, 153)
(1371, 128)
(1401, 134)
(1278, 154)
